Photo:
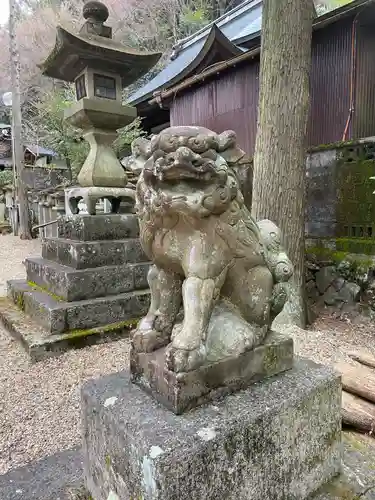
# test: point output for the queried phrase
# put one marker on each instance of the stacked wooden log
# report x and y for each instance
(358, 394)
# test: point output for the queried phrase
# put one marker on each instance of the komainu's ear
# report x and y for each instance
(239, 162)
(141, 152)
(227, 140)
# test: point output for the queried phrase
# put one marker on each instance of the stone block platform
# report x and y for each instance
(280, 439)
(84, 287)
(184, 391)
(60, 476)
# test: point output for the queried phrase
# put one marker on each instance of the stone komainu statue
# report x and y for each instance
(208, 253)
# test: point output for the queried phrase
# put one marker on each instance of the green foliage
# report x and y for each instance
(55, 133)
(192, 20)
(323, 6)
(191, 17)
(126, 136)
(343, 247)
(6, 177)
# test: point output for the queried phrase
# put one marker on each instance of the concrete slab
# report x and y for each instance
(53, 478)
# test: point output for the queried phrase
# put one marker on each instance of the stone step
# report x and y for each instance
(98, 227)
(71, 284)
(41, 344)
(56, 477)
(83, 255)
(59, 316)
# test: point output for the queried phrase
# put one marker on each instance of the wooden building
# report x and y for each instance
(212, 78)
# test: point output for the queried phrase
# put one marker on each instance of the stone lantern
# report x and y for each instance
(100, 68)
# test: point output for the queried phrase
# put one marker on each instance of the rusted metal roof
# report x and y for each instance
(239, 26)
(243, 20)
(230, 100)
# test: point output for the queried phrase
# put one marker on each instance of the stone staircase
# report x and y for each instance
(89, 285)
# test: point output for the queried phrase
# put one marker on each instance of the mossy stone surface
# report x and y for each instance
(340, 195)
(246, 445)
(40, 344)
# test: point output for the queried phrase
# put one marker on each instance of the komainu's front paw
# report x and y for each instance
(148, 341)
(182, 360)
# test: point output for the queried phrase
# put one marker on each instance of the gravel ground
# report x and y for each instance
(12, 252)
(40, 403)
(330, 340)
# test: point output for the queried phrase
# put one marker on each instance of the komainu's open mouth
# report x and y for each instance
(184, 172)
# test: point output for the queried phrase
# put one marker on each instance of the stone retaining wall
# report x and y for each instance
(340, 200)
(342, 283)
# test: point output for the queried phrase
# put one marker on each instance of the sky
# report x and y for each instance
(4, 11)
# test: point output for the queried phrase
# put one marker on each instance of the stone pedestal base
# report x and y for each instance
(278, 440)
(91, 195)
(89, 285)
(183, 391)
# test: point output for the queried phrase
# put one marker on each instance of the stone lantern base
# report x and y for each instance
(91, 195)
(90, 285)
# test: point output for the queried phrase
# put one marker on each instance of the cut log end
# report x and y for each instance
(358, 380)
(358, 413)
(365, 358)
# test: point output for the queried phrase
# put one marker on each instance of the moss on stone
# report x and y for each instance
(355, 208)
(113, 327)
(334, 145)
(344, 251)
(80, 494)
(355, 442)
(20, 301)
(270, 360)
(355, 198)
(359, 444)
(108, 461)
(341, 490)
(39, 288)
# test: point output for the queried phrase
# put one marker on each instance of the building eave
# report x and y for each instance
(163, 97)
(215, 40)
(253, 39)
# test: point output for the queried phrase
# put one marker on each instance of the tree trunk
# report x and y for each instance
(280, 151)
(357, 413)
(358, 380)
(21, 188)
(219, 8)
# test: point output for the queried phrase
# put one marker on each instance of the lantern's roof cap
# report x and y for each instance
(96, 11)
(93, 47)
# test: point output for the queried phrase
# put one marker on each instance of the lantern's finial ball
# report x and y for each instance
(96, 11)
